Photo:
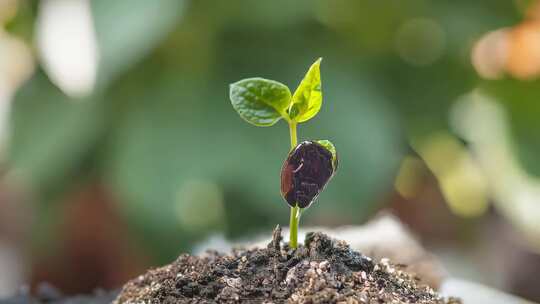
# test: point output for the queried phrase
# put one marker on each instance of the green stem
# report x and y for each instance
(292, 131)
(295, 211)
(293, 227)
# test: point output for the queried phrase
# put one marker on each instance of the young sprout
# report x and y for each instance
(310, 164)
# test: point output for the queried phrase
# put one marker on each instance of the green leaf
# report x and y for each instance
(328, 145)
(260, 101)
(307, 99)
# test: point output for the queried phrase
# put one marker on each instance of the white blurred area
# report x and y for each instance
(515, 193)
(11, 263)
(67, 45)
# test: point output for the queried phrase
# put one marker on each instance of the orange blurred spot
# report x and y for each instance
(524, 50)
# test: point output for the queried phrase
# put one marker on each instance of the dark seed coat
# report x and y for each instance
(305, 173)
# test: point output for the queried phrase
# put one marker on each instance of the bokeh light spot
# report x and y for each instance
(420, 42)
(490, 53)
(408, 177)
(524, 50)
(200, 205)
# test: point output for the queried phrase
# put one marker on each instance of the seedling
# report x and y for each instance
(310, 164)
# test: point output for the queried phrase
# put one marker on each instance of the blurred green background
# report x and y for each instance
(120, 148)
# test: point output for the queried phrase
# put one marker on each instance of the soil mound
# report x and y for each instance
(323, 270)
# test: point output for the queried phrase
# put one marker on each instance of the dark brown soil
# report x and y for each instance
(323, 270)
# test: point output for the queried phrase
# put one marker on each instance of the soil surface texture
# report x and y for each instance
(323, 270)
